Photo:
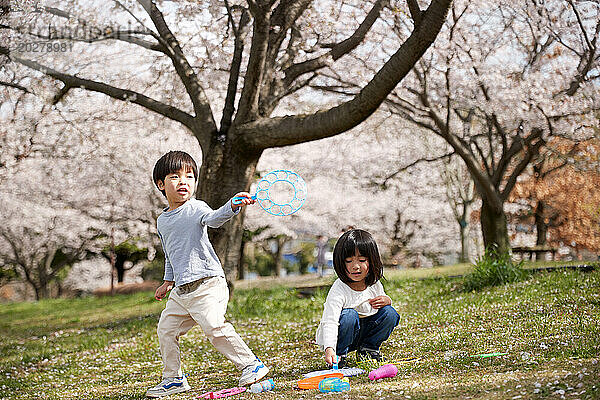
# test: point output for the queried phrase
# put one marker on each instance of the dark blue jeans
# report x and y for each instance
(356, 333)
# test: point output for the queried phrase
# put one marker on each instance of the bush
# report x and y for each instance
(306, 255)
(493, 269)
(262, 263)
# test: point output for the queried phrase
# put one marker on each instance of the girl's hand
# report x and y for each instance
(380, 301)
(329, 354)
(247, 199)
(162, 290)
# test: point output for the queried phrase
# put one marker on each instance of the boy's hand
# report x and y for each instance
(380, 301)
(329, 354)
(247, 199)
(162, 290)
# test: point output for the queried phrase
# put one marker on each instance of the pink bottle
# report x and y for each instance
(385, 371)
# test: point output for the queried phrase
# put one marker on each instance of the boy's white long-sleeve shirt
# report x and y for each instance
(189, 255)
(342, 296)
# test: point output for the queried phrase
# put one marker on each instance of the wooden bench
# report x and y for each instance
(537, 251)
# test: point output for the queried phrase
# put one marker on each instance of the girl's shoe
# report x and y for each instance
(169, 386)
(369, 354)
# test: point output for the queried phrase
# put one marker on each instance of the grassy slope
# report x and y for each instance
(107, 348)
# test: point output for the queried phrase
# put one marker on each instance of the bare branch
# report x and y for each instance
(15, 86)
(61, 93)
(339, 49)
(72, 81)
(412, 164)
(282, 131)
(249, 98)
(240, 31)
(415, 11)
(533, 148)
(101, 34)
(204, 117)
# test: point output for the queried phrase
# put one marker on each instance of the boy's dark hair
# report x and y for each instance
(171, 162)
(347, 245)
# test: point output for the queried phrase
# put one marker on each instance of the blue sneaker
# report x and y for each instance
(169, 386)
(253, 373)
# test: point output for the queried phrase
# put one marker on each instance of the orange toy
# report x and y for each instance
(313, 382)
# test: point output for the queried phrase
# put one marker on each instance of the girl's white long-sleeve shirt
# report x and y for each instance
(342, 296)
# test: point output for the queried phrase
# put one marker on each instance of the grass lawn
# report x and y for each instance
(106, 348)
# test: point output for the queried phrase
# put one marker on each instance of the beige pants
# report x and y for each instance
(206, 307)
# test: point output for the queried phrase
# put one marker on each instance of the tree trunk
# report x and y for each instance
(120, 268)
(241, 273)
(464, 249)
(540, 224)
(38, 295)
(41, 288)
(494, 228)
(464, 232)
(112, 261)
(226, 170)
(281, 240)
(41, 292)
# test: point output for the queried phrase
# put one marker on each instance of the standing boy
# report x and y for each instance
(192, 269)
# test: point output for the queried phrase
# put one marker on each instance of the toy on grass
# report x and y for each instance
(263, 386)
(223, 393)
(280, 193)
(346, 371)
(385, 371)
(404, 360)
(334, 365)
(313, 381)
(334, 385)
(486, 355)
(367, 364)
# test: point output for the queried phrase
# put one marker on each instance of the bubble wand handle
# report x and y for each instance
(238, 200)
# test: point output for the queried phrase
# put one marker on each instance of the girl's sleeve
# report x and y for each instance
(328, 327)
(380, 291)
(215, 218)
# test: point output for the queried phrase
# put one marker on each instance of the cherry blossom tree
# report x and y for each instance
(502, 79)
(274, 49)
(460, 194)
(41, 243)
(409, 217)
(64, 196)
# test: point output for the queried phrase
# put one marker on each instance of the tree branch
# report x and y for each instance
(101, 34)
(249, 98)
(412, 164)
(532, 150)
(588, 57)
(339, 49)
(415, 11)
(283, 131)
(517, 145)
(283, 20)
(15, 86)
(240, 33)
(204, 119)
(114, 92)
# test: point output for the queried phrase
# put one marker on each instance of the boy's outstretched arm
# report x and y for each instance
(216, 218)
(162, 290)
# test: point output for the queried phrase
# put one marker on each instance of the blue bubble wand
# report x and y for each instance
(281, 192)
